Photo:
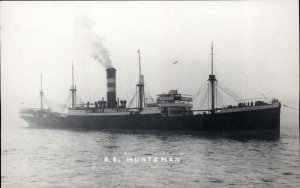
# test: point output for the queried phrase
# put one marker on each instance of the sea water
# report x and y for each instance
(33, 157)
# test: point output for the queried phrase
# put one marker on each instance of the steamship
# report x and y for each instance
(171, 111)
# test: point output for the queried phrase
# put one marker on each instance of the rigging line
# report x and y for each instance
(129, 91)
(205, 70)
(195, 96)
(227, 93)
(33, 100)
(201, 98)
(124, 92)
(145, 70)
(36, 101)
(216, 91)
(203, 82)
(134, 96)
(206, 97)
(203, 102)
(195, 103)
(290, 107)
(198, 97)
(208, 89)
(59, 105)
(236, 95)
(63, 110)
(149, 94)
(93, 96)
(150, 90)
(217, 99)
(266, 97)
(266, 89)
(67, 100)
(198, 102)
(49, 101)
(53, 103)
(232, 93)
(80, 99)
(222, 100)
(46, 102)
(137, 99)
(199, 90)
(77, 99)
(130, 94)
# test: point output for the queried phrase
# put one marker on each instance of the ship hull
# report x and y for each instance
(263, 119)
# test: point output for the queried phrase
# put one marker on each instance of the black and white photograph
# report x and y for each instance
(150, 94)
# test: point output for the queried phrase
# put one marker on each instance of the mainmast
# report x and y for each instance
(41, 92)
(212, 79)
(140, 84)
(73, 89)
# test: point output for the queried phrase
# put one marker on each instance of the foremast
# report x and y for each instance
(212, 79)
(73, 89)
(140, 85)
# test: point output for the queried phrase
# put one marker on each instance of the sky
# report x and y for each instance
(256, 47)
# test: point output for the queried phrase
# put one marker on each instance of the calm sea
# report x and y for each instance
(32, 157)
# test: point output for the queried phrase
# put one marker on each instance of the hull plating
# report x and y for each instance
(265, 119)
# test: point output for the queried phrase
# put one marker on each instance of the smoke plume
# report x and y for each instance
(100, 53)
(95, 43)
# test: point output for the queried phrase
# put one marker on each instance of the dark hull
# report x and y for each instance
(263, 119)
